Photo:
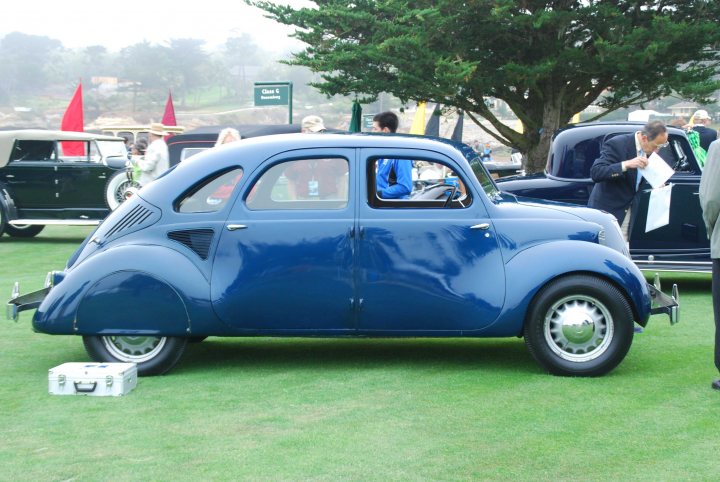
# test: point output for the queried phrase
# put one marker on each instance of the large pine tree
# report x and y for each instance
(547, 59)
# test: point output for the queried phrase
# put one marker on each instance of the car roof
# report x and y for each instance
(8, 138)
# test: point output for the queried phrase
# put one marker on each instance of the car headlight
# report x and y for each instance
(53, 278)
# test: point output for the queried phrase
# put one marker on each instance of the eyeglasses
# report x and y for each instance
(660, 146)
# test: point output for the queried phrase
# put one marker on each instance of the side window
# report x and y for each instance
(210, 195)
(320, 183)
(404, 183)
(33, 151)
(577, 160)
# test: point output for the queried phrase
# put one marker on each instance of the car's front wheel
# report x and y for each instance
(119, 188)
(579, 325)
(24, 231)
(154, 355)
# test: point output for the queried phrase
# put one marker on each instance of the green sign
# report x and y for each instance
(272, 95)
(367, 122)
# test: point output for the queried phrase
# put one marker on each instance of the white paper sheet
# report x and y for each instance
(657, 171)
(658, 214)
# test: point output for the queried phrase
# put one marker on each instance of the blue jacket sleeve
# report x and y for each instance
(403, 173)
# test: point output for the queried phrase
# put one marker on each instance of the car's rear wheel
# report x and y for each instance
(3, 221)
(579, 325)
(24, 231)
(154, 355)
(119, 188)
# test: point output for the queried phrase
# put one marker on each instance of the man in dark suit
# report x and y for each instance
(701, 120)
(616, 174)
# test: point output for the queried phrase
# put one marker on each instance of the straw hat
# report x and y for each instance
(313, 123)
(157, 129)
(701, 115)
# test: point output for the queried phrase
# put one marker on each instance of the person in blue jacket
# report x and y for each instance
(393, 176)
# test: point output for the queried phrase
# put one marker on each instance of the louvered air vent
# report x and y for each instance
(136, 216)
(199, 240)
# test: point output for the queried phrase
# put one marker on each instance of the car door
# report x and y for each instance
(81, 180)
(426, 264)
(285, 260)
(684, 237)
(31, 173)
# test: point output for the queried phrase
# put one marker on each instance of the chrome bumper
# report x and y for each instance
(19, 303)
(662, 303)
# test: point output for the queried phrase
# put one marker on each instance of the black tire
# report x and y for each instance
(579, 325)
(3, 220)
(119, 188)
(154, 355)
(26, 231)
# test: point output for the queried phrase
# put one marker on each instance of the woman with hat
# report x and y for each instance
(156, 160)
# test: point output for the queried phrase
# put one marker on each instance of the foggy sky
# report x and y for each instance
(81, 23)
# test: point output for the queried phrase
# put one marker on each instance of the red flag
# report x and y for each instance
(168, 118)
(73, 121)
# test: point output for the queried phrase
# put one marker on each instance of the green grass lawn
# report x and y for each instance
(297, 409)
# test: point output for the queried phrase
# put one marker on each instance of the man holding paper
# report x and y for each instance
(616, 172)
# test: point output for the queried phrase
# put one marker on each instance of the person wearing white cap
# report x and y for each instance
(312, 124)
(701, 119)
(156, 160)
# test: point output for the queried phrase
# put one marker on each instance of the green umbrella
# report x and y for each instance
(356, 120)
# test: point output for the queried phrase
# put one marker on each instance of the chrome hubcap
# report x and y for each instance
(578, 328)
(134, 349)
(125, 190)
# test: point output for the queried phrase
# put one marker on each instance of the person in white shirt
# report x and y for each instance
(156, 160)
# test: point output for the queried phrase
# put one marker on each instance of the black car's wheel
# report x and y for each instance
(579, 326)
(154, 355)
(24, 231)
(120, 188)
(3, 221)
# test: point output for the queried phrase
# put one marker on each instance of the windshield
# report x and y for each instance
(112, 149)
(483, 177)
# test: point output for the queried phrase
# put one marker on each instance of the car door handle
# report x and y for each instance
(482, 226)
(9, 176)
(235, 227)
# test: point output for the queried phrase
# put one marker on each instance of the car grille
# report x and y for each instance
(198, 240)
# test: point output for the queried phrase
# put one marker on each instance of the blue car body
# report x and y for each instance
(461, 265)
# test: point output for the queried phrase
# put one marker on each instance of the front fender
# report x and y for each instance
(129, 290)
(533, 268)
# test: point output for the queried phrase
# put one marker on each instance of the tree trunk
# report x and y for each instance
(540, 142)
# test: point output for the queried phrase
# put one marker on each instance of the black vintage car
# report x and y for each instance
(57, 177)
(183, 146)
(682, 245)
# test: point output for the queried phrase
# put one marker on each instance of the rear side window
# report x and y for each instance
(210, 195)
(312, 183)
(574, 161)
(33, 151)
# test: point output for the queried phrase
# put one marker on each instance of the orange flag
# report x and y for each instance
(73, 121)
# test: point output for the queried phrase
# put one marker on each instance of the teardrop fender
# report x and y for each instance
(128, 290)
(534, 267)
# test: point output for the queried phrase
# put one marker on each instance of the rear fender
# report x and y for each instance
(129, 290)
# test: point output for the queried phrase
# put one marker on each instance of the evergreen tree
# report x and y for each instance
(546, 59)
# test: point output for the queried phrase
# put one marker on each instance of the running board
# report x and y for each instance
(56, 222)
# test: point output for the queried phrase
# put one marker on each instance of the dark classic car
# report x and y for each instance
(301, 244)
(56, 177)
(183, 146)
(682, 245)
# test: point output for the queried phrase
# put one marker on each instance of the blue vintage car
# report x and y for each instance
(681, 245)
(287, 235)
